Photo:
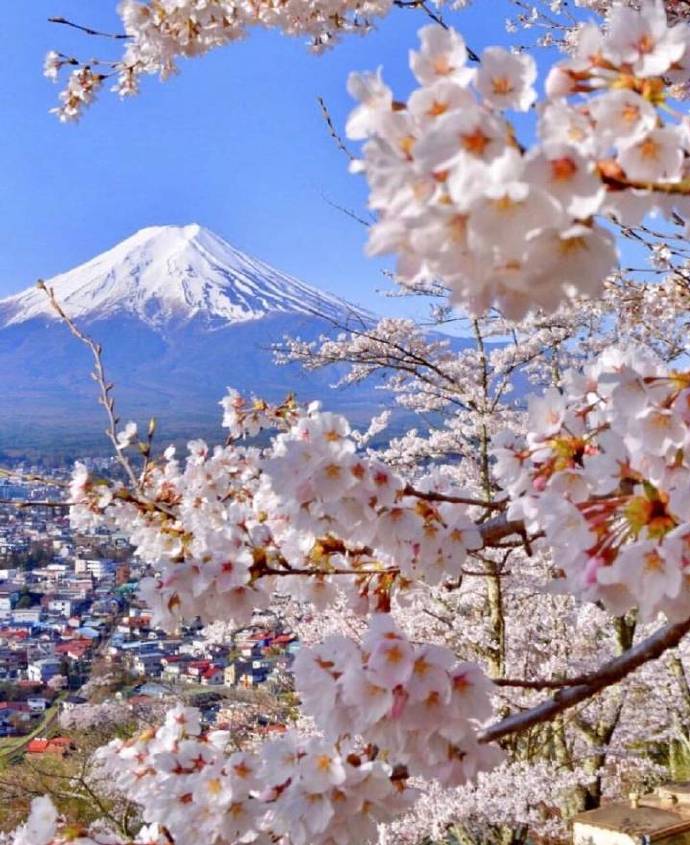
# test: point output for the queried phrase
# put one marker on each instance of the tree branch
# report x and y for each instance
(118, 36)
(332, 131)
(610, 673)
(618, 182)
(34, 503)
(435, 17)
(104, 386)
(31, 477)
(498, 528)
(540, 683)
(455, 500)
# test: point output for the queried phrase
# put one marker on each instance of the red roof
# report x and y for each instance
(20, 634)
(211, 671)
(138, 621)
(284, 638)
(42, 746)
(74, 647)
(259, 635)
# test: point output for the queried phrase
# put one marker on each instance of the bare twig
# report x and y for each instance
(34, 503)
(332, 131)
(31, 477)
(118, 36)
(420, 4)
(347, 211)
(99, 377)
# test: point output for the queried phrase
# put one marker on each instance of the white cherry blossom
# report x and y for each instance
(506, 79)
(657, 157)
(442, 55)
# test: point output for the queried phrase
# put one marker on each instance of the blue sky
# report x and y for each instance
(235, 142)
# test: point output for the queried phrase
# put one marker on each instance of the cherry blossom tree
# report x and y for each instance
(490, 603)
(57, 683)
(594, 753)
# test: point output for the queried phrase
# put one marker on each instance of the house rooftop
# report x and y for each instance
(139, 699)
(662, 814)
(41, 745)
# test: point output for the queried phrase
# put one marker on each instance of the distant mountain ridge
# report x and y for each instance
(181, 314)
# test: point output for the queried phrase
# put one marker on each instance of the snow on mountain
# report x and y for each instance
(173, 274)
(151, 302)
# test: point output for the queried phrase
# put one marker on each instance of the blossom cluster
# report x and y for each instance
(416, 710)
(319, 481)
(513, 795)
(160, 32)
(233, 525)
(675, 9)
(415, 701)
(104, 715)
(296, 790)
(246, 419)
(196, 523)
(461, 201)
(45, 827)
(304, 513)
(83, 84)
(604, 472)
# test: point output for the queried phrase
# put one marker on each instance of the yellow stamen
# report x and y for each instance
(502, 85)
(563, 169)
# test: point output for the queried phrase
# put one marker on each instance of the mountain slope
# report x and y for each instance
(180, 315)
(173, 274)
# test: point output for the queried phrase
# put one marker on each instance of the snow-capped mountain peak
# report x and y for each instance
(165, 274)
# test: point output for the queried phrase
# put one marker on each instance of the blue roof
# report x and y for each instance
(152, 689)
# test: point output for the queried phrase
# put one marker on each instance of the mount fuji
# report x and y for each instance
(181, 314)
(166, 276)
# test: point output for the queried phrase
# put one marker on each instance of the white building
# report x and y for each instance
(41, 671)
(26, 616)
(64, 605)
